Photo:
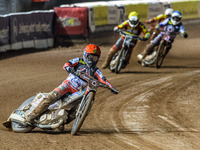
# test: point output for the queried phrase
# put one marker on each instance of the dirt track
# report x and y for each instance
(156, 109)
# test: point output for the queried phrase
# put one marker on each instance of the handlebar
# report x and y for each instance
(94, 82)
(170, 33)
(129, 35)
(115, 91)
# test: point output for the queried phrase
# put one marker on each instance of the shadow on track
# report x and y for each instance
(143, 72)
(179, 67)
(14, 53)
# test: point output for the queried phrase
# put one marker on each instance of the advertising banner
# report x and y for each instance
(4, 30)
(91, 19)
(189, 9)
(116, 15)
(122, 14)
(30, 26)
(71, 21)
(155, 9)
(101, 15)
(141, 9)
(4, 9)
(113, 15)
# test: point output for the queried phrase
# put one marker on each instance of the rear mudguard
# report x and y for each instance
(19, 125)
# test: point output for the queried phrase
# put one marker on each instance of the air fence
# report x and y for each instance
(38, 29)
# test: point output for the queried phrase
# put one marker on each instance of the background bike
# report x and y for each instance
(118, 60)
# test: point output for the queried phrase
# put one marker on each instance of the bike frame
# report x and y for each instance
(162, 51)
(124, 50)
(87, 101)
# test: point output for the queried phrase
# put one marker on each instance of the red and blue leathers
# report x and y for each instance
(73, 83)
(170, 31)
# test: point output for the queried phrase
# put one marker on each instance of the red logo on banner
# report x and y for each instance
(71, 20)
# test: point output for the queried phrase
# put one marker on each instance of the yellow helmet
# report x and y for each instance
(133, 13)
(133, 18)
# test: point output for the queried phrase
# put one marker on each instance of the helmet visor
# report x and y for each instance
(168, 16)
(177, 19)
(93, 58)
(134, 22)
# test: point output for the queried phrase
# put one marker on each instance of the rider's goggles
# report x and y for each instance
(168, 16)
(93, 57)
(176, 18)
(134, 22)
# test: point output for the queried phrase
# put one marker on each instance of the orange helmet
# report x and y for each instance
(91, 55)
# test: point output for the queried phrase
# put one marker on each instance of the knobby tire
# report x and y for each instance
(160, 55)
(84, 108)
(119, 62)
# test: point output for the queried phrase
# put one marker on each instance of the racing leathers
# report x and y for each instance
(168, 33)
(159, 18)
(74, 83)
(140, 28)
(71, 84)
(154, 24)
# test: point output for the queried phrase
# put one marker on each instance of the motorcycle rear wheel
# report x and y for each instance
(19, 128)
(82, 112)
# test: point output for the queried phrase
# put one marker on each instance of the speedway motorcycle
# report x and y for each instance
(118, 60)
(69, 107)
(160, 51)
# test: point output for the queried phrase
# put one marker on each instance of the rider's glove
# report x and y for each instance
(144, 39)
(70, 70)
(116, 29)
(148, 21)
(185, 35)
(78, 72)
(114, 91)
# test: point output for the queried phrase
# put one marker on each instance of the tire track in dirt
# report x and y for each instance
(163, 114)
(134, 110)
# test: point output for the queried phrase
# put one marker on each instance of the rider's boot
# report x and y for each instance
(148, 50)
(139, 58)
(108, 59)
(145, 52)
(42, 106)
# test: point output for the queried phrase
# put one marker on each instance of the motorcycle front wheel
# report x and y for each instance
(119, 62)
(82, 112)
(160, 54)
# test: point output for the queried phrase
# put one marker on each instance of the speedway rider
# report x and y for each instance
(159, 18)
(132, 26)
(172, 26)
(73, 83)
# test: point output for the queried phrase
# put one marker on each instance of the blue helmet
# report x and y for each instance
(176, 17)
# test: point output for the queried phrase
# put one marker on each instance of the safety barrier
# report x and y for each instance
(27, 30)
(71, 21)
(102, 15)
(35, 29)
